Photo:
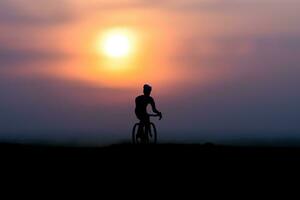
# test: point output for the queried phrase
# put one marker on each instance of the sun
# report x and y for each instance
(116, 43)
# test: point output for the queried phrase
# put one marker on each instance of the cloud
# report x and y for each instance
(254, 85)
(189, 5)
(34, 12)
(170, 5)
(45, 104)
(22, 57)
(128, 4)
(227, 50)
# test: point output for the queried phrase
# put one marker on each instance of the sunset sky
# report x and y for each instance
(220, 69)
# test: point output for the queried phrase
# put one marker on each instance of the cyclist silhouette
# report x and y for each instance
(141, 103)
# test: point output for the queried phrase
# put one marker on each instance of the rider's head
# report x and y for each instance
(147, 90)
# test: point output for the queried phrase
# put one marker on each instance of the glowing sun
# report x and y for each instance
(116, 43)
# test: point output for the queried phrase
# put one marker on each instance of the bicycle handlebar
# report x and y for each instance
(155, 115)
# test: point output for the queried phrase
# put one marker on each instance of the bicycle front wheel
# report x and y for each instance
(153, 134)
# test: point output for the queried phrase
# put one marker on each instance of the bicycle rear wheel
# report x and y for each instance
(135, 139)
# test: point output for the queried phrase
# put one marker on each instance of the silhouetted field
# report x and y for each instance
(126, 161)
(191, 153)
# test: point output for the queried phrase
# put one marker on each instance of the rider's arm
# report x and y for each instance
(153, 106)
(154, 109)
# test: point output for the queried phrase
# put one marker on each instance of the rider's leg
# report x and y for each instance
(144, 122)
(140, 130)
(141, 125)
(147, 126)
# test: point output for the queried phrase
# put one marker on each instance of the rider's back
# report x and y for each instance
(141, 103)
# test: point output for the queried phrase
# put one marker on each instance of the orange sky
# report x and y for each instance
(160, 30)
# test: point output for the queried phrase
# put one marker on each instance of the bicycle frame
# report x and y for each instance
(145, 138)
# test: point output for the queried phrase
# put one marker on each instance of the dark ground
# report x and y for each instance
(164, 153)
(125, 165)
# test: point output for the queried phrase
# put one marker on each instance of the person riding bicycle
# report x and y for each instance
(141, 103)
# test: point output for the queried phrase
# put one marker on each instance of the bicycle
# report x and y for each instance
(143, 137)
